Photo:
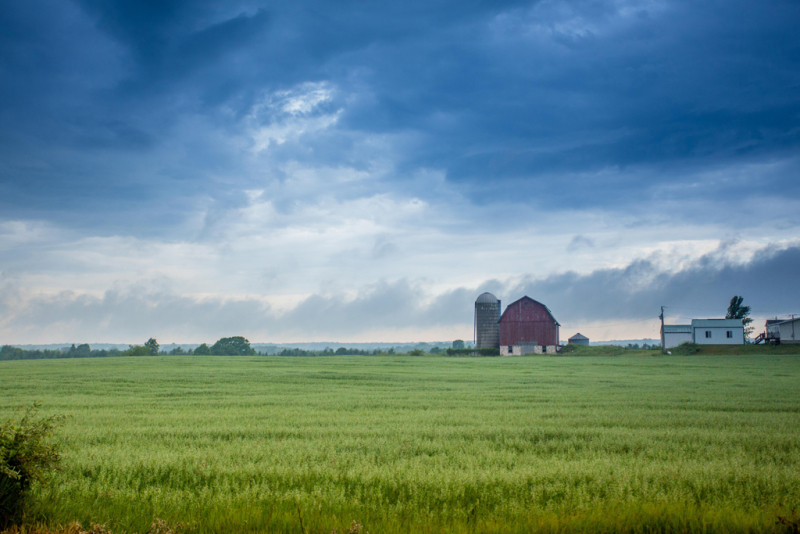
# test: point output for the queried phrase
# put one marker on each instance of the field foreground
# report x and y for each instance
(401, 444)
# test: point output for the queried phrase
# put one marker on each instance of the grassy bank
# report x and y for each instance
(551, 444)
(699, 350)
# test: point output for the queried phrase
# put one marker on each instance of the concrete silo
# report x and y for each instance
(487, 317)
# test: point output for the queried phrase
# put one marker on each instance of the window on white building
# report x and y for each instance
(708, 333)
(730, 334)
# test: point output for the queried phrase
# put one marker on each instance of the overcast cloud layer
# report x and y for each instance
(361, 171)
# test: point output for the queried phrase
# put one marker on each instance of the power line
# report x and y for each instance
(706, 310)
(618, 324)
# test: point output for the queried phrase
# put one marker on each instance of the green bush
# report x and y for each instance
(685, 349)
(27, 455)
(595, 350)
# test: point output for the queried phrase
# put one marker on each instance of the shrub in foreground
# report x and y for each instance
(27, 454)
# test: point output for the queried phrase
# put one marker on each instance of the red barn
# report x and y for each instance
(527, 322)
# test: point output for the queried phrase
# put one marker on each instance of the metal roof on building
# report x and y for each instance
(486, 298)
(578, 337)
(677, 329)
(717, 323)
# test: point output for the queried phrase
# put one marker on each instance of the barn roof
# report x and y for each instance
(537, 302)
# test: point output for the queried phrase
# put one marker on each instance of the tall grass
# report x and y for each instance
(568, 444)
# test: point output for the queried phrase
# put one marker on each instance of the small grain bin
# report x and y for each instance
(579, 339)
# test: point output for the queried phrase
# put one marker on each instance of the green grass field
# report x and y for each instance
(642, 443)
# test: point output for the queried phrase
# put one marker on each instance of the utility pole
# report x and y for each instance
(663, 348)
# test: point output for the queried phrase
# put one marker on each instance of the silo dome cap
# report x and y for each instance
(486, 298)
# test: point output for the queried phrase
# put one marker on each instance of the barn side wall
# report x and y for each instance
(525, 322)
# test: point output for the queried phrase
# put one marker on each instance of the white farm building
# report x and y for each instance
(704, 332)
(675, 334)
(718, 331)
(789, 331)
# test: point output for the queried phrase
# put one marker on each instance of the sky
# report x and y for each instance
(362, 171)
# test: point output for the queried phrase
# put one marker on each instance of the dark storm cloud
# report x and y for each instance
(119, 106)
(703, 289)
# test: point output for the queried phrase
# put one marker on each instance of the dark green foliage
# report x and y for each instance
(737, 311)
(7, 352)
(341, 351)
(81, 351)
(685, 349)
(152, 346)
(573, 349)
(790, 521)
(137, 350)
(473, 352)
(645, 346)
(202, 350)
(458, 344)
(232, 346)
(416, 352)
(295, 352)
(27, 455)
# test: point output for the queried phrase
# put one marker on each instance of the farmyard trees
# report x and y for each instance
(737, 311)
(232, 346)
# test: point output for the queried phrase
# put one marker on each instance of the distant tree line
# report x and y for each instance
(7, 352)
(227, 346)
(473, 352)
